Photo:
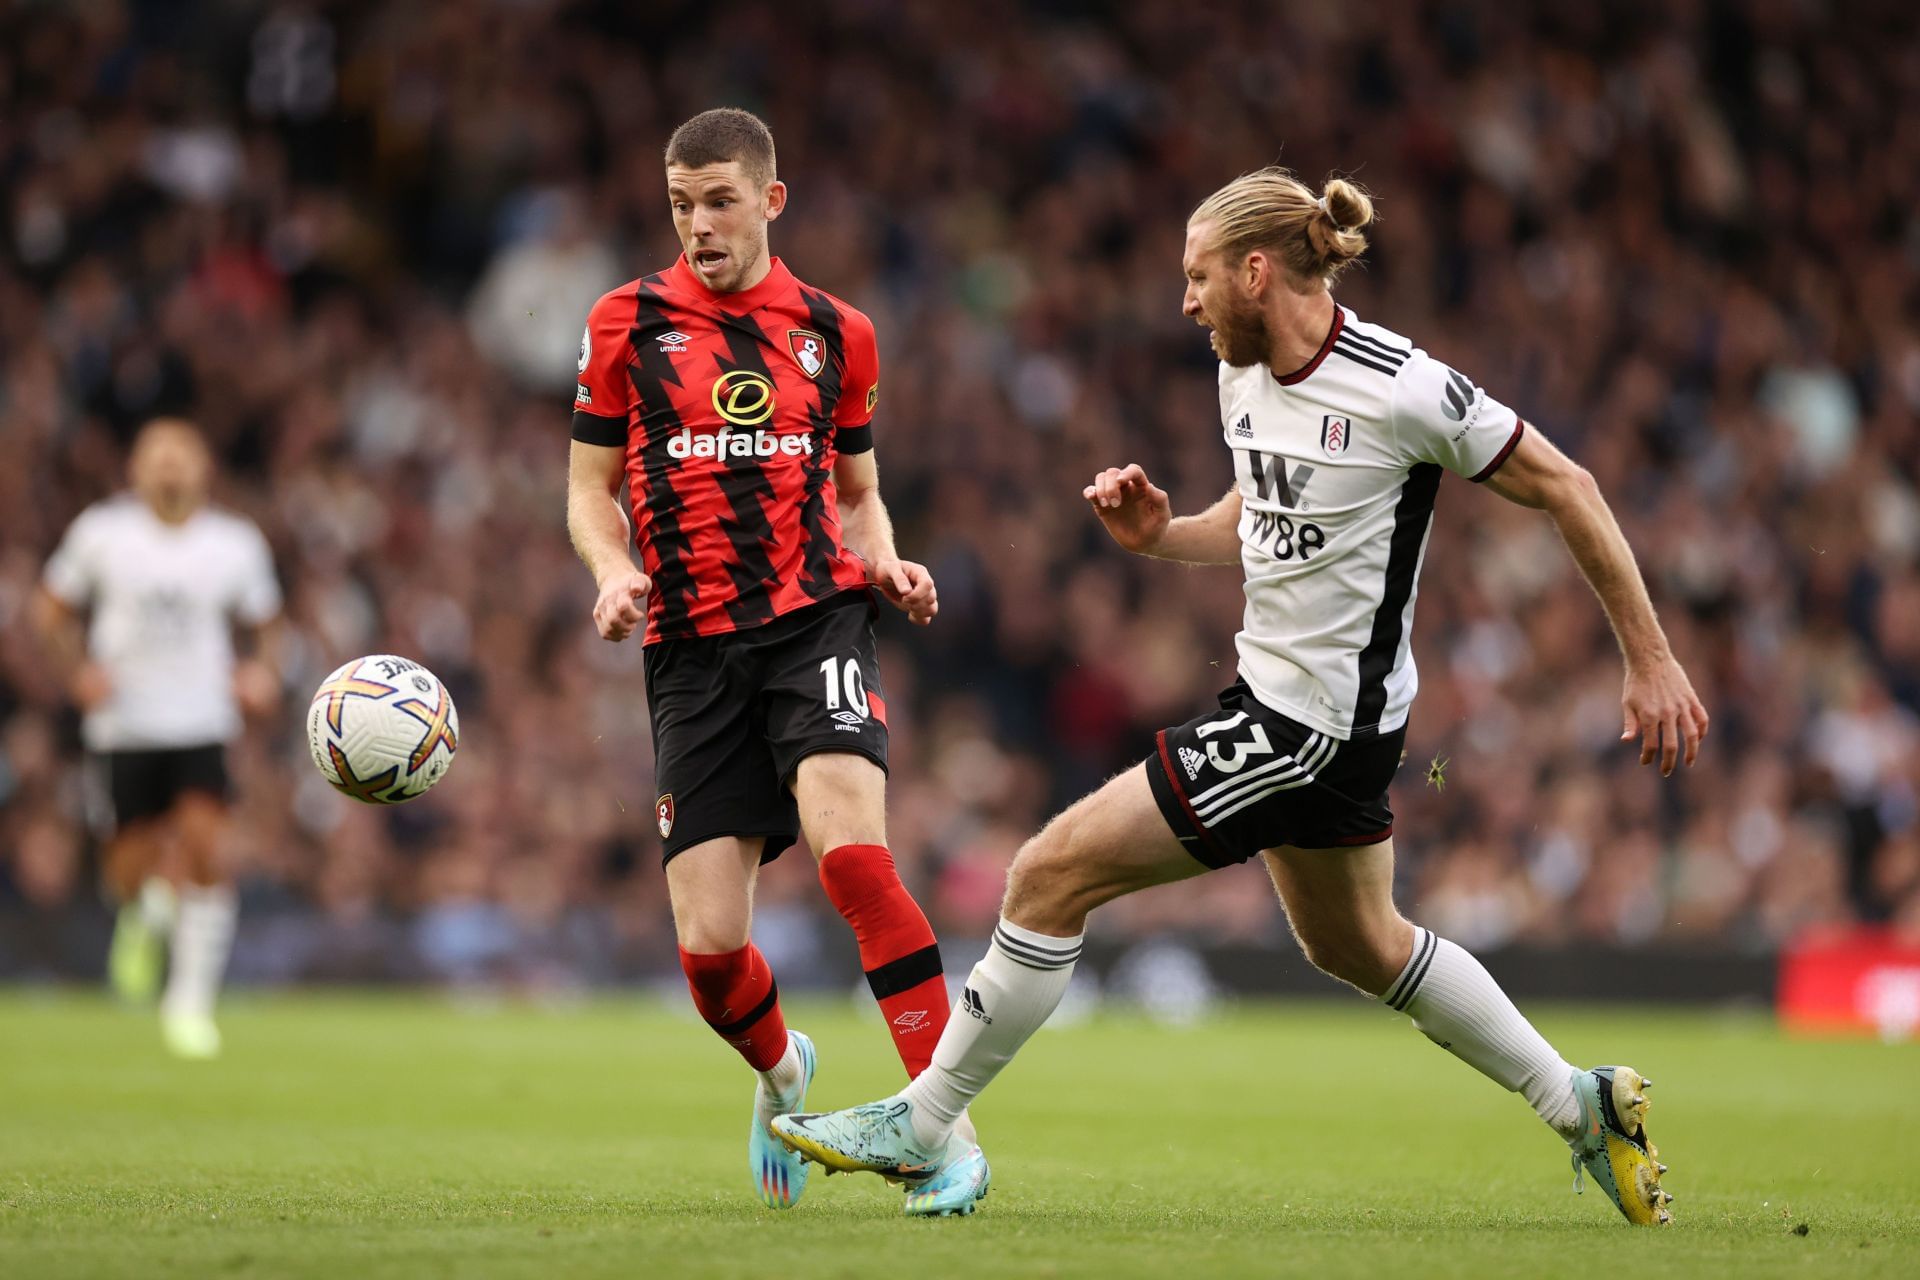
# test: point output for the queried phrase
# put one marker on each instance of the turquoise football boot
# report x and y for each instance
(1612, 1146)
(955, 1188)
(778, 1174)
(875, 1138)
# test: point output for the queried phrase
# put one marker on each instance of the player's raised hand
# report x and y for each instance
(622, 606)
(1662, 710)
(1133, 510)
(909, 588)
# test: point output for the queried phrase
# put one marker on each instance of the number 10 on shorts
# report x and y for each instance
(845, 674)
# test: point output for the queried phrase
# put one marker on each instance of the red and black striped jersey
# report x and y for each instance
(732, 408)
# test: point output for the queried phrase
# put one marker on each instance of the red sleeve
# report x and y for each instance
(603, 399)
(860, 384)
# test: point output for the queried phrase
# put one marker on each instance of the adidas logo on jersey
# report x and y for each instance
(1243, 429)
(1191, 761)
(735, 444)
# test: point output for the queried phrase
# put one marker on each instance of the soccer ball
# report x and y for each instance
(382, 729)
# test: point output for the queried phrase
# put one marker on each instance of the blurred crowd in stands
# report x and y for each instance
(356, 242)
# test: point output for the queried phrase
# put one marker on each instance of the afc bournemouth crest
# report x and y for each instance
(1336, 433)
(810, 349)
(663, 811)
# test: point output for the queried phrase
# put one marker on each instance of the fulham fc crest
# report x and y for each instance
(663, 810)
(1336, 433)
(810, 349)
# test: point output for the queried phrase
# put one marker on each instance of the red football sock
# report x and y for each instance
(897, 948)
(735, 993)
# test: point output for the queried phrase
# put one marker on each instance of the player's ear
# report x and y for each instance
(1256, 272)
(776, 199)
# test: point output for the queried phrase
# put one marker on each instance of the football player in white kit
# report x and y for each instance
(165, 580)
(1339, 432)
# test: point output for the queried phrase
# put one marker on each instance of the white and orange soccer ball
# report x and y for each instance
(383, 729)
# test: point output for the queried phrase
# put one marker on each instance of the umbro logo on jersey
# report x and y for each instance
(1336, 433)
(1460, 394)
(1243, 429)
(848, 721)
(674, 340)
(973, 1004)
(1191, 760)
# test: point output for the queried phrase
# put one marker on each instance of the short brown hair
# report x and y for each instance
(1315, 237)
(723, 134)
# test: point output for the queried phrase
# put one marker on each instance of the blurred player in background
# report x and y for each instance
(1339, 431)
(165, 580)
(735, 404)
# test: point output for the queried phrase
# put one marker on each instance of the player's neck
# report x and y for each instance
(1298, 325)
(173, 513)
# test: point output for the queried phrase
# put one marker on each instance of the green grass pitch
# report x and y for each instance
(401, 1136)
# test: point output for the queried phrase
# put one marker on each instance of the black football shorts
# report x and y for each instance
(734, 714)
(1246, 778)
(146, 784)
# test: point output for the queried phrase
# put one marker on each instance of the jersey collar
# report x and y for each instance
(1304, 371)
(777, 282)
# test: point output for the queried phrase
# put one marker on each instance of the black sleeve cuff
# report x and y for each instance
(854, 439)
(594, 428)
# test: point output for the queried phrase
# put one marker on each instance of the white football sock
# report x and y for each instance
(157, 905)
(1456, 1004)
(778, 1084)
(1009, 995)
(202, 937)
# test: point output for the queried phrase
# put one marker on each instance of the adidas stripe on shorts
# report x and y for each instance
(1246, 778)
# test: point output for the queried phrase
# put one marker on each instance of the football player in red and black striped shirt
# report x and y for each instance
(734, 405)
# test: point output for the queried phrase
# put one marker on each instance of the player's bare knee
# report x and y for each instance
(200, 822)
(713, 935)
(842, 800)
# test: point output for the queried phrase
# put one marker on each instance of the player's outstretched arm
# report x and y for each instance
(1140, 518)
(1659, 705)
(867, 530)
(62, 635)
(256, 677)
(600, 535)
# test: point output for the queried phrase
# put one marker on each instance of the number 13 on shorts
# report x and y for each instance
(1237, 754)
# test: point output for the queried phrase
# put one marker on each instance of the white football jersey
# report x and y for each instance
(164, 599)
(1337, 467)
